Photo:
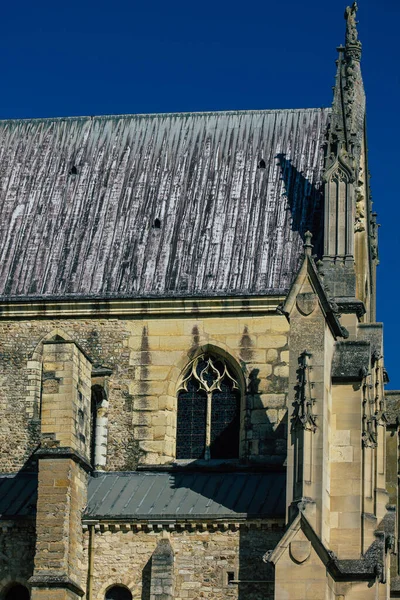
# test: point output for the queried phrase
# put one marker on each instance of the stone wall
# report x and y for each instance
(147, 357)
(202, 561)
(17, 550)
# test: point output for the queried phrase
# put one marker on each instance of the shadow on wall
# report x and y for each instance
(232, 557)
(305, 202)
(266, 429)
(146, 580)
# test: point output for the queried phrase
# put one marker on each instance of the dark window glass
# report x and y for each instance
(117, 592)
(191, 426)
(17, 592)
(225, 423)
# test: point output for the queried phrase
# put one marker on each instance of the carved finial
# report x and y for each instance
(350, 16)
(353, 45)
(307, 244)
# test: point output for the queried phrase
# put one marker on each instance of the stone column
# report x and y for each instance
(162, 585)
(63, 468)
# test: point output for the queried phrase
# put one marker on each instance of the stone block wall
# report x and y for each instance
(147, 358)
(17, 550)
(203, 561)
(66, 397)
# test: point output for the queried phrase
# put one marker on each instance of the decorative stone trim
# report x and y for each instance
(199, 526)
(349, 307)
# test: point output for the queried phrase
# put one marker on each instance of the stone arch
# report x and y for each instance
(7, 584)
(34, 373)
(219, 349)
(118, 592)
(55, 334)
(234, 368)
(122, 581)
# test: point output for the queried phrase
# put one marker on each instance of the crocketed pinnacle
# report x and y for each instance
(345, 132)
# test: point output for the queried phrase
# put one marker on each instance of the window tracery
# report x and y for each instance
(208, 411)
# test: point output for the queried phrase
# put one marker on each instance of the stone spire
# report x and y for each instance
(342, 162)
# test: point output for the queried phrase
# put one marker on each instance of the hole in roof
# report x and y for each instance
(157, 224)
(73, 170)
(261, 164)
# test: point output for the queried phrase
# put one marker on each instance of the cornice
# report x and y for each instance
(158, 525)
(43, 309)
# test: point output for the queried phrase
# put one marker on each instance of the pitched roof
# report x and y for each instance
(146, 205)
(150, 495)
(146, 495)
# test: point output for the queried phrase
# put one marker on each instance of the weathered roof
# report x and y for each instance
(181, 495)
(18, 495)
(79, 200)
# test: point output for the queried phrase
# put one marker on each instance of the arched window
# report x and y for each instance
(208, 411)
(118, 592)
(17, 592)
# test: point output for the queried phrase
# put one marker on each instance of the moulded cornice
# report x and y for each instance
(130, 307)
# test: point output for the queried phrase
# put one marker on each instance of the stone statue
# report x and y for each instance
(351, 30)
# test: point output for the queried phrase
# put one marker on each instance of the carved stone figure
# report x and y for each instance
(351, 31)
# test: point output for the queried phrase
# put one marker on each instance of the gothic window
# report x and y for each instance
(17, 592)
(118, 592)
(208, 411)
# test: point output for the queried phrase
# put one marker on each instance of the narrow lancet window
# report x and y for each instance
(208, 411)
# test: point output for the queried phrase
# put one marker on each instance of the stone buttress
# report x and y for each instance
(63, 466)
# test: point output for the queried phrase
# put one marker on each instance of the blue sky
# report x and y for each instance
(87, 58)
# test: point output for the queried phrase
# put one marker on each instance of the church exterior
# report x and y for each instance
(192, 400)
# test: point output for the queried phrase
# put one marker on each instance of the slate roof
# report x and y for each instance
(18, 495)
(79, 200)
(200, 495)
(149, 495)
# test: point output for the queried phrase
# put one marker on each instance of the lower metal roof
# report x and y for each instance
(162, 495)
(182, 495)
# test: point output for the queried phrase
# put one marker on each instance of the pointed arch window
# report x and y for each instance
(208, 420)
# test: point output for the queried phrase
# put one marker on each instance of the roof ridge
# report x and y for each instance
(164, 114)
